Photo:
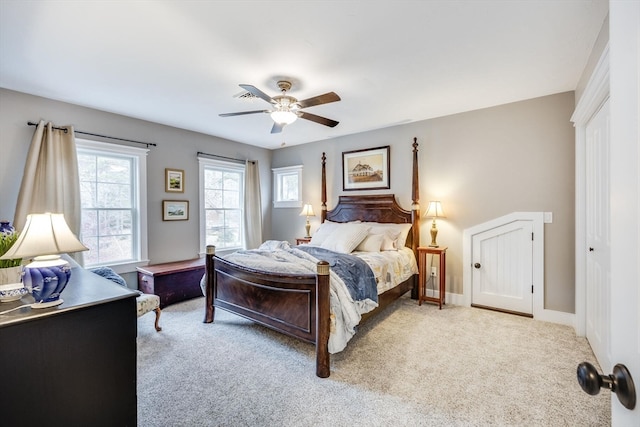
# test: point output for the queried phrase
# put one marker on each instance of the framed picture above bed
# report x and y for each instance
(366, 169)
(175, 210)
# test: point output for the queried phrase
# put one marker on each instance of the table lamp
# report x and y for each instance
(44, 238)
(434, 210)
(307, 211)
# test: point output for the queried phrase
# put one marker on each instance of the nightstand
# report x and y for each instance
(424, 272)
(302, 240)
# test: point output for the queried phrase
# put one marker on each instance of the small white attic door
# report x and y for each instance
(503, 268)
(503, 260)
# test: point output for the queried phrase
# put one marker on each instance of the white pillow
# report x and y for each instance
(345, 237)
(401, 229)
(404, 232)
(371, 243)
(323, 232)
(389, 241)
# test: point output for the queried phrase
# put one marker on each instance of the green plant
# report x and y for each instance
(6, 241)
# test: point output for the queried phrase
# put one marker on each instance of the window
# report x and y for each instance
(287, 185)
(113, 197)
(222, 206)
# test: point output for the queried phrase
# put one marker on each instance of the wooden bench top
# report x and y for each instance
(172, 267)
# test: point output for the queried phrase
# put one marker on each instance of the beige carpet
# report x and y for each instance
(411, 366)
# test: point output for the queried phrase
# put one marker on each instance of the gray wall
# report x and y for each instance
(481, 164)
(168, 241)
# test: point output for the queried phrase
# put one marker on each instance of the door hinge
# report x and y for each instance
(531, 236)
(531, 288)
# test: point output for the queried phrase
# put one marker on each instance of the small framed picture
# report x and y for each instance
(173, 180)
(175, 210)
(366, 169)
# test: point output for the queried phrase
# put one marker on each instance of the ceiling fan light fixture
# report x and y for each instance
(284, 117)
(287, 109)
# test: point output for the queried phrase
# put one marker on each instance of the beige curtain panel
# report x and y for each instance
(50, 182)
(252, 206)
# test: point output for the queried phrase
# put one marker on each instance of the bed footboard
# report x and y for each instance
(297, 305)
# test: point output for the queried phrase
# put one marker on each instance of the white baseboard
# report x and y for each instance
(544, 315)
(560, 317)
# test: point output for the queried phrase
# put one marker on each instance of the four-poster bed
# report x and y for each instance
(299, 304)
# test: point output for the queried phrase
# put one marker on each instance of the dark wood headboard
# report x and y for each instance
(375, 208)
(381, 208)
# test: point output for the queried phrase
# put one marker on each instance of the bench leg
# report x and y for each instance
(157, 310)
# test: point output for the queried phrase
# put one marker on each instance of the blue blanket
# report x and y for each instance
(356, 274)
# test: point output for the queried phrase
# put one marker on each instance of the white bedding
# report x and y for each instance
(390, 267)
(276, 256)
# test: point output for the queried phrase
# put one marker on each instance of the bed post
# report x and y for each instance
(210, 278)
(323, 320)
(415, 214)
(323, 214)
(415, 205)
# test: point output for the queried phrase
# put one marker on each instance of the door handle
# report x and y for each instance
(590, 249)
(477, 265)
(620, 382)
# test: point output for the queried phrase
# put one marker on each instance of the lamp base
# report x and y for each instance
(46, 277)
(434, 235)
(47, 304)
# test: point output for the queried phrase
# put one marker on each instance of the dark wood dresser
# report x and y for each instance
(173, 281)
(74, 364)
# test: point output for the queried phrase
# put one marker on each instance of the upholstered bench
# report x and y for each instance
(145, 302)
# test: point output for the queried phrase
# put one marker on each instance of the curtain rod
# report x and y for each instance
(99, 136)
(217, 156)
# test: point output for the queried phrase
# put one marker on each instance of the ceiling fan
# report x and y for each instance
(286, 109)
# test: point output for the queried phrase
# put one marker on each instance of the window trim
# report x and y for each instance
(203, 163)
(277, 173)
(140, 154)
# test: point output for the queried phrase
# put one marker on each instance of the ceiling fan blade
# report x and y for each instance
(277, 127)
(242, 113)
(257, 92)
(320, 99)
(318, 119)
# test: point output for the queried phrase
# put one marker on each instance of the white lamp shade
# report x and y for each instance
(434, 210)
(307, 210)
(44, 234)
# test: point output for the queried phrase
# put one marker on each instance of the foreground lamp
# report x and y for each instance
(434, 210)
(44, 238)
(307, 211)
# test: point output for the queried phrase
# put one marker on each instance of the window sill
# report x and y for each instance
(288, 204)
(125, 267)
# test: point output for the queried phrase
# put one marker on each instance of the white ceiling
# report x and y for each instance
(179, 63)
